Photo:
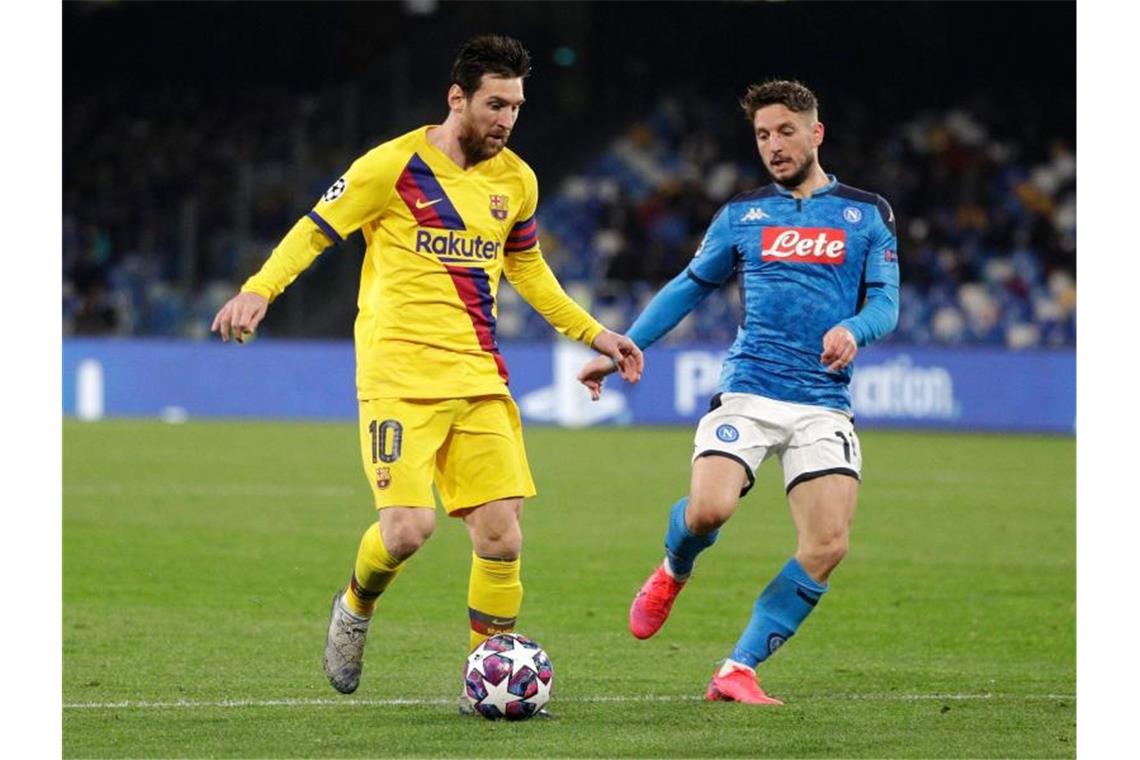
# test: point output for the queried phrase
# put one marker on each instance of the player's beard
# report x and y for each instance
(478, 147)
(799, 177)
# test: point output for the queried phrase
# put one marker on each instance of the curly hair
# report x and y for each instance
(789, 93)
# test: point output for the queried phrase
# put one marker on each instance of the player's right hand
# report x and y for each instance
(240, 316)
(594, 373)
(627, 357)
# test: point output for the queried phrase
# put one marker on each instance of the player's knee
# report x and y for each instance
(821, 555)
(502, 541)
(403, 538)
(707, 512)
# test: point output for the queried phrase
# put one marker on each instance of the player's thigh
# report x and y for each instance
(735, 430)
(399, 439)
(822, 465)
(715, 487)
(484, 458)
(823, 509)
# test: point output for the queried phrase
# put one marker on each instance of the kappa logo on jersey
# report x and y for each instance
(804, 245)
(499, 206)
(335, 191)
(755, 214)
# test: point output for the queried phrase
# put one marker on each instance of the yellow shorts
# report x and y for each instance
(470, 448)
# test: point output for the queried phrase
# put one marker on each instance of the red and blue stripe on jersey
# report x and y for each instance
(425, 197)
(523, 237)
(431, 207)
(474, 288)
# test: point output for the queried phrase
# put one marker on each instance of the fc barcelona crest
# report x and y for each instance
(383, 477)
(499, 207)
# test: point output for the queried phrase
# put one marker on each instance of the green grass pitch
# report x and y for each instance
(199, 560)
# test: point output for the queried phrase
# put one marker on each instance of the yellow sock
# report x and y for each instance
(494, 597)
(375, 568)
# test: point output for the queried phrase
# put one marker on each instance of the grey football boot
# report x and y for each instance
(344, 647)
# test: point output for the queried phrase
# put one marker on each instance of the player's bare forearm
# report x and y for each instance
(240, 316)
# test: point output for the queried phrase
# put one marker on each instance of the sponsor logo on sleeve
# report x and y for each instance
(804, 245)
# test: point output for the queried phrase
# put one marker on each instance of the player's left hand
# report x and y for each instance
(594, 373)
(839, 348)
(624, 352)
(240, 316)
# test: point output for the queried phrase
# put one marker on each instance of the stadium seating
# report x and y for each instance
(987, 222)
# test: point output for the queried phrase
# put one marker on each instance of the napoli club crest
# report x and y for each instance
(727, 433)
(499, 206)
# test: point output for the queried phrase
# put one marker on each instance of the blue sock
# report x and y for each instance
(782, 606)
(681, 546)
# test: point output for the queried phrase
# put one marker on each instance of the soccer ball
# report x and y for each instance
(508, 676)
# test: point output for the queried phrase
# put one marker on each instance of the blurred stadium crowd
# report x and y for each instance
(170, 203)
(987, 224)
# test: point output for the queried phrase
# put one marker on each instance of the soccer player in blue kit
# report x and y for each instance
(818, 271)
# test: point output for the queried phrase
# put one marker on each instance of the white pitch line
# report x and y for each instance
(321, 702)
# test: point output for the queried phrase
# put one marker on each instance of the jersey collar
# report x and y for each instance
(831, 185)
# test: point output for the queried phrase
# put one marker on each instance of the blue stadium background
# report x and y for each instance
(195, 134)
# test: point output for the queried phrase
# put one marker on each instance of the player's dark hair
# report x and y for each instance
(791, 94)
(488, 54)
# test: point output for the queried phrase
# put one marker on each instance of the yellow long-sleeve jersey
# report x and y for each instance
(438, 239)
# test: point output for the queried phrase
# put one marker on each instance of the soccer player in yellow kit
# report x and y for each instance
(445, 210)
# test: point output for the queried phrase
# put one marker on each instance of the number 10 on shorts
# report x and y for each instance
(387, 437)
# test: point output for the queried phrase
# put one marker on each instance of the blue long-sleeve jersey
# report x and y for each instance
(805, 266)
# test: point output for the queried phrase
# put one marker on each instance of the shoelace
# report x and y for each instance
(353, 628)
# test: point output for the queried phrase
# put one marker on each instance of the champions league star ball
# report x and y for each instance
(508, 676)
